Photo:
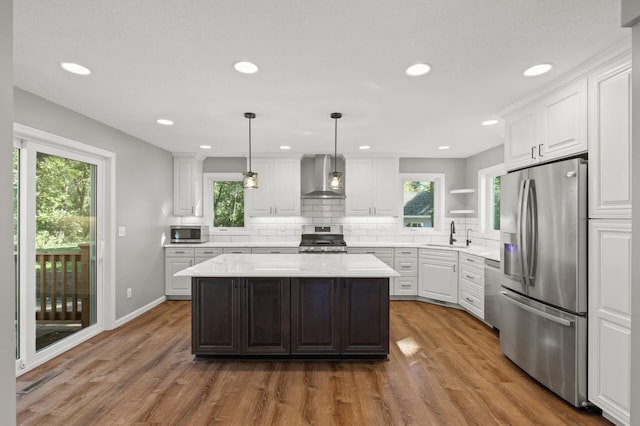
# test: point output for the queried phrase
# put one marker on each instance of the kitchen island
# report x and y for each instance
(290, 306)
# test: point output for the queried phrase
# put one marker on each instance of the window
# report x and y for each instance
(421, 201)
(224, 202)
(489, 199)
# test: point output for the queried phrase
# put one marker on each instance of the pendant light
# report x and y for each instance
(335, 177)
(250, 180)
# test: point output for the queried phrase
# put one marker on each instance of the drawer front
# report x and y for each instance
(472, 275)
(471, 260)
(405, 286)
(274, 250)
(406, 266)
(406, 252)
(178, 252)
(471, 302)
(208, 252)
(236, 250)
(376, 251)
(446, 256)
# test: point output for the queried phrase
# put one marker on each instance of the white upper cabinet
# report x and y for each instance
(551, 127)
(278, 192)
(610, 140)
(372, 187)
(187, 184)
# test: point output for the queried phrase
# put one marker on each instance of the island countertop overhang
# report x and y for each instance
(291, 265)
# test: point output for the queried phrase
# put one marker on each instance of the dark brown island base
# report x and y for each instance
(299, 306)
(290, 317)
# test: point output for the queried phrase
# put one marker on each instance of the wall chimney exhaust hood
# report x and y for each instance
(315, 174)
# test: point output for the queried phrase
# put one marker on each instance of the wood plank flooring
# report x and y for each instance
(445, 368)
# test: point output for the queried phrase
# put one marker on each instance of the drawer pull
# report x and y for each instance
(470, 277)
(179, 252)
(470, 260)
(469, 300)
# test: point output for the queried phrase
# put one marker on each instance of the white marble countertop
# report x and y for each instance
(291, 265)
(246, 244)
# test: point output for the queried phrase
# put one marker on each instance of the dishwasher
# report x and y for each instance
(492, 307)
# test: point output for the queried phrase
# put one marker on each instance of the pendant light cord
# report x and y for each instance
(335, 152)
(249, 143)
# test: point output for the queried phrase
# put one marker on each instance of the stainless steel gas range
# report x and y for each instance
(322, 239)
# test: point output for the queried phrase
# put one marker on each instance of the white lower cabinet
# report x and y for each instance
(178, 258)
(385, 254)
(438, 275)
(471, 284)
(406, 263)
(609, 341)
(274, 250)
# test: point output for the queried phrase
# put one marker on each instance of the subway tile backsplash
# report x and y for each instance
(357, 229)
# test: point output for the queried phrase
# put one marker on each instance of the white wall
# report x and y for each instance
(144, 185)
(7, 305)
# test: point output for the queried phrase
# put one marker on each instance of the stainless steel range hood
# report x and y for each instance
(315, 178)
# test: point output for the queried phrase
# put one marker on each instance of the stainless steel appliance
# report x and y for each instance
(322, 239)
(492, 307)
(189, 233)
(543, 222)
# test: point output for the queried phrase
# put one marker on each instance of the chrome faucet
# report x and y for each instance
(452, 229)
(468, 240)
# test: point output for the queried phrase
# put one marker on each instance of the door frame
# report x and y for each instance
(105, 244)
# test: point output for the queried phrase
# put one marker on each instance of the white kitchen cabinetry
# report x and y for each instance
(274, 250)
(438, 275)
(178, 258)
(236, 250)
(278, 192)
(372, 187)
(385, 254)
(551, 127)
(187, 184)
(610, 140)
(406, 263)
(609, 338)
(471, 284)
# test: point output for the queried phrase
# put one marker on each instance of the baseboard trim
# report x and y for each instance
(125, 319)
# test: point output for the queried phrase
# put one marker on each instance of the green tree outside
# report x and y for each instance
(228, 204)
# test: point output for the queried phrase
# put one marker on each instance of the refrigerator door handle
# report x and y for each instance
(532, 238)
(523, 209)
(535, 311)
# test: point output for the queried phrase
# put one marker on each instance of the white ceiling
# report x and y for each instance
(173, 59)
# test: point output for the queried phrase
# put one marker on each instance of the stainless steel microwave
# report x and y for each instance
(189, 233)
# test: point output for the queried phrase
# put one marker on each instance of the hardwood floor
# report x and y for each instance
(445, 367)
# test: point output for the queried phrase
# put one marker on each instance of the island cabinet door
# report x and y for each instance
(215, 319)
(265, 318)
(365, 315)
(315, 316)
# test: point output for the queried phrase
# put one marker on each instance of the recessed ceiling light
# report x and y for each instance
(418, 69)
(365, 147)
(164, 122)
(246, 67)
(205, 146)
(285, 147)
(75, 68)
(537, 70)
(444, 147)
(489, 122)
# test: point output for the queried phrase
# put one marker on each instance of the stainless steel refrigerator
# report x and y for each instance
(543, 236)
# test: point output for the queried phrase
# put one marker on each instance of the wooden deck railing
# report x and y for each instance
(63, 286)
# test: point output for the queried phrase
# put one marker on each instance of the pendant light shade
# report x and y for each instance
(335, 177)
(250, 179)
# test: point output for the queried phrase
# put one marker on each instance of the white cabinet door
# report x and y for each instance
(438, 276)
(177, 286)
(386, 187)
(521, 137)
(187, 186)
(358, 181)
(610, 140)
(609, 337)
(286, 187)
(564, 122)
(260, 200)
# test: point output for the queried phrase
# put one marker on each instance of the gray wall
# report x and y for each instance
(144, 185)
(635, 225)
(7, 304)
(224, 165)
(482, 160)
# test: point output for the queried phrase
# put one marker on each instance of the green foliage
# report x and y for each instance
(63, 201)
(496, 203)
(418, 199)
(16, 189)
(228, 204)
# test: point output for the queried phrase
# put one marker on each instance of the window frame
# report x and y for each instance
(207, 198)
(485, 201)
(438, 201)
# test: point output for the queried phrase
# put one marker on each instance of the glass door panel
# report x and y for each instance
(65, 267)
(16, 243)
